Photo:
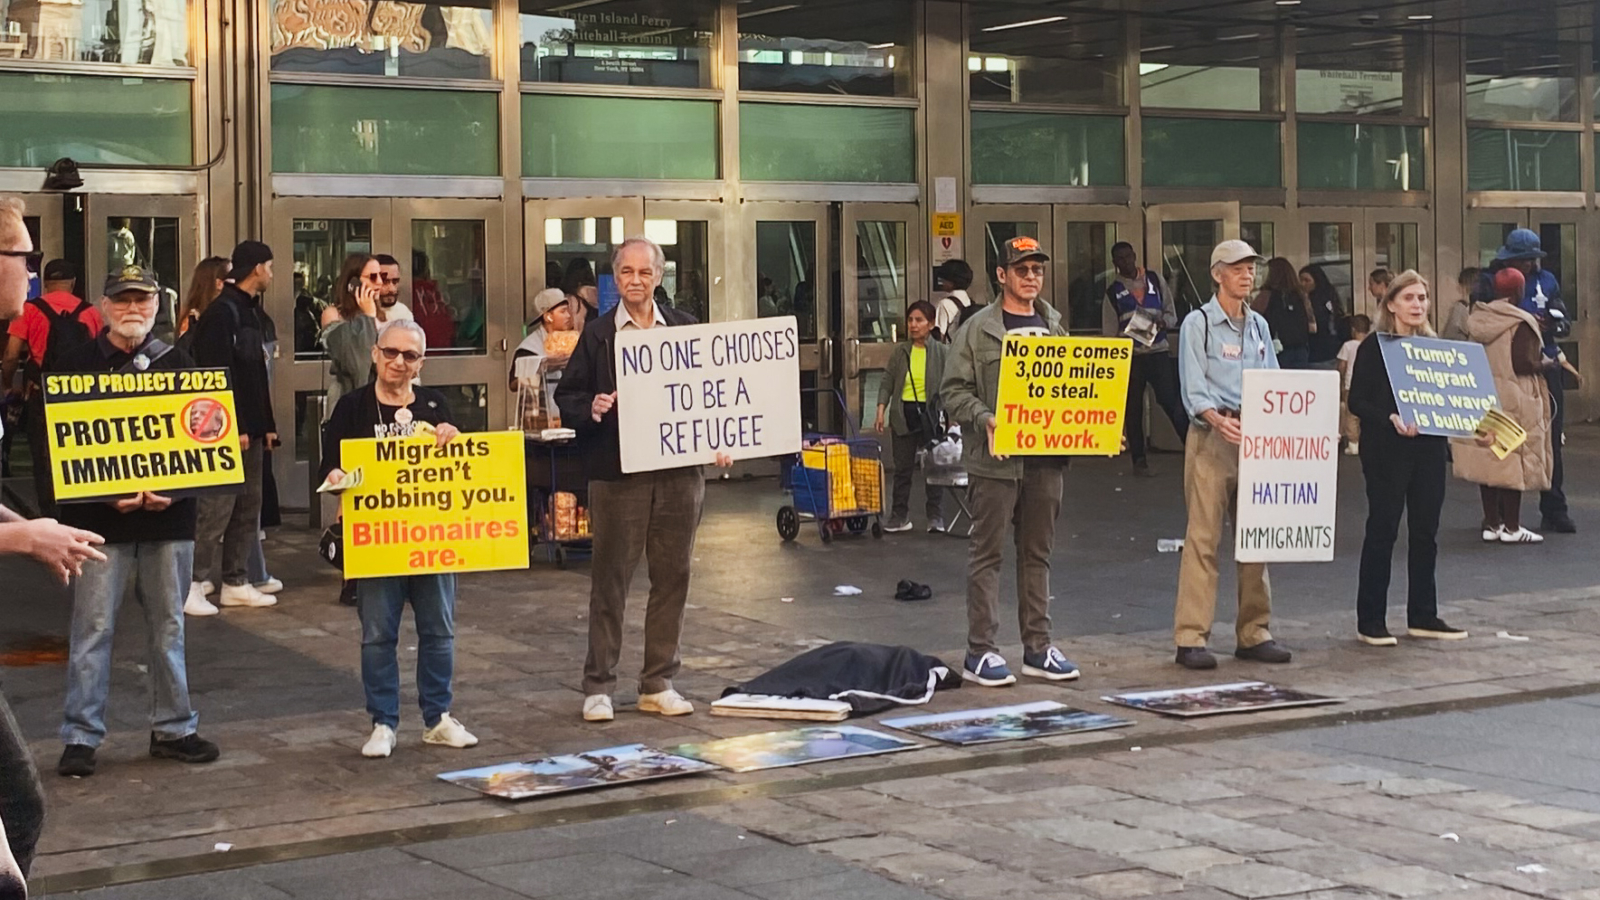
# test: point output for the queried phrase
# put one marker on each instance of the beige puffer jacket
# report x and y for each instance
(1525, 398)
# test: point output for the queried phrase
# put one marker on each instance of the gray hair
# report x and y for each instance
(408, 326)
(658, 258)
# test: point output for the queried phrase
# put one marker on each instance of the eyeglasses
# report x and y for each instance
(375, 278)
(34, 257)
(1029, 271)
(412, 357)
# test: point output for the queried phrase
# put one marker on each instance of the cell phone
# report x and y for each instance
(354, 286)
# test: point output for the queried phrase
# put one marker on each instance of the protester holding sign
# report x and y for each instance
(1023, 492)
(1511, 337)
(1404, 470)
(149, 549)
(394, 407)
(648, 513)
(1217, 343)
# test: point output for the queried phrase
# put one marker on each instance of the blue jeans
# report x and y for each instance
(433, 605)
(158, 571)
(256, 567)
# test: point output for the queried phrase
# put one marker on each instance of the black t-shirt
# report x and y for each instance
(1030, 325)
(360, 415)
(176, 522)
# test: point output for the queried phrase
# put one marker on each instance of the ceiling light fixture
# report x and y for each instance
(883, 46)
(1157, 49)
(1044, 21)
(771, 9)
(1288, 2)
(1420, 17)
(1238, 37)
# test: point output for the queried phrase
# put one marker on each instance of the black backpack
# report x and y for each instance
(67, 333)
(972, 308)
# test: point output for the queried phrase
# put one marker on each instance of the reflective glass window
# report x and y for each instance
(1396, 244)
(1376, 74)
(1185, 65)
(1360, 157)
(684, 283)
(150, 242)
(995, 235)
(384, 131)
(354, 37)
(1505, 159)
(881, 289)
(785, 142)
(1043, 148)
(1333, 250)
(827, 47)
(642, 43)
(121, 121)
(1025, 54)
(786, 272)
(447, 284)
(618, 137)
(320, 248)
(1186, 260)
(147, 32)
(1211, 153)
(1517, 77)
(1089, 270)
(577, 252)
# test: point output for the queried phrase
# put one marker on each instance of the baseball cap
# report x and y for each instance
(546, 300)
(1020, 248)
(131, 278)
(1229, 252)
(59, 270)
(246, 257)
(1521, 243)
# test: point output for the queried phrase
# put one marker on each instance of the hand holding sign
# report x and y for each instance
(602, 404)
(1061, 396)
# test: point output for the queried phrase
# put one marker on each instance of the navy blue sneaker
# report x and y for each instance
(988, 669)
(1049, 665)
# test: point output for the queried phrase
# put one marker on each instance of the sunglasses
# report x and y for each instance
(1034, 271)
(375, 278)
(412, 357)
(34, 257)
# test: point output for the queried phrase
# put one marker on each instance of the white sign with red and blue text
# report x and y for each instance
(1288, 466)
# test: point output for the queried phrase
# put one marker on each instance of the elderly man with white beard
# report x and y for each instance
(149, 548)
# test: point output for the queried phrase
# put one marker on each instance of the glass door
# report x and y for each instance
(690, 235)
(1185, 234)
(993, 226)
(1082, 256)
(156, 233)
(881, 273)
(569, 246)
(784, 276)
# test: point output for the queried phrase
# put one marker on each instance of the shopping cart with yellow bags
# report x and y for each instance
(836, 481)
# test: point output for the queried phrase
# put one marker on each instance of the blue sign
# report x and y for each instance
(1443, 387)
(610, 295)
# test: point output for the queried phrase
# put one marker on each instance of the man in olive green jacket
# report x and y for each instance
(1024, 492)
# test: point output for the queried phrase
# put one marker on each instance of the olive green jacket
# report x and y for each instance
(972, 385)
(892, 387)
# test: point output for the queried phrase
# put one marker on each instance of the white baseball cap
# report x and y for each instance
(1229, 252)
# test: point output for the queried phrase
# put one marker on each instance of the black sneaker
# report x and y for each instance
(191, 748)
(347, 594)
(1437, 630)
(1561, 524)
(77, 761)
(1141, 468)
(1266, 651)
(1196, 658)
(1376, 637)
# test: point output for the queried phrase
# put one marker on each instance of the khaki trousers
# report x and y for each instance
(1030, 506)
(652, 515)
(1210, 491)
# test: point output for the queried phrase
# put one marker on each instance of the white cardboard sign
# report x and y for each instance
(1288, 466)
(687, 393)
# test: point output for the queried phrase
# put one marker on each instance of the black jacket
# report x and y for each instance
(230, 336)
(359, 415)
(592, 371)
(870, 677)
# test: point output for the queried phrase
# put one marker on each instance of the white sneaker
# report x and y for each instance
(1352, 449)
(244, 595)
(1491, 535)
(381, 744)
(196, 603)
(206, 588)
(1520, 536)
(668, 703)
(449, 733)
(270, 586)
(597, 708)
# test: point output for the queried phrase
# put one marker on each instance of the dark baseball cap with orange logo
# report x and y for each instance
(1020, 248)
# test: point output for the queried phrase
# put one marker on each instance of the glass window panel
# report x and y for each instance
(618, 137)
(119, 121)
(685, 283)
(881, 281)
(1512, 78)
(1056, 59)
(1396, 245)
(469, 403)
(827, 47)
(1513, 160)
(1182, 66)
(394, 38)
(1491, 237)
(1333, 250)
(320, 248)
(149, 32)
(307, 428)
(1358, 74)
(577, 253)
(1350, 157)
(35, 285)
(995, 235)
(447, 286)
(1559, 241)
(783, 142)
(642, 43)
(1089, 268)
(1039, 148)
(150, 242)
(1263, 237)
(1186, 260)
(1211, 153)
(786, 272)
(385, 132)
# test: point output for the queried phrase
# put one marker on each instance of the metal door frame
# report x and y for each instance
(1157, 214)
(816, 356)
(718, 305)
(52, 240)
(536, 211)
(984, 214)
(1126, 221)
(875, 355)
(100, 207)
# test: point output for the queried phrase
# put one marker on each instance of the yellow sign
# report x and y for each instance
(112, 434)
(947, 225)
(423, 508)
(1062, 396)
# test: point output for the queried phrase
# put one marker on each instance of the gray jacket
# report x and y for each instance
(892, 388)
(972, 384)
(349, 345)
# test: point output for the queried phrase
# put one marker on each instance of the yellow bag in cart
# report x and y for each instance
(840, 478)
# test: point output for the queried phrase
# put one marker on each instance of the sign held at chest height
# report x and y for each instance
(1288, 466)
(1062, 396)
(1442, 387)
(688, 393)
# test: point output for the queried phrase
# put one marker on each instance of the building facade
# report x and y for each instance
(805, 158)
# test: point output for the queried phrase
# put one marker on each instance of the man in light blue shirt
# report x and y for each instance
(1216, 344)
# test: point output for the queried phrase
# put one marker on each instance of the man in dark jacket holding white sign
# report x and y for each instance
(645, 514)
